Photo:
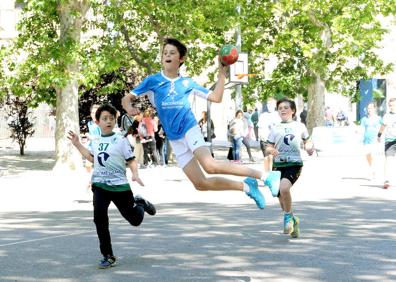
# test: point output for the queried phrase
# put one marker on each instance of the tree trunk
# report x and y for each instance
(67, 157)
(316, 104)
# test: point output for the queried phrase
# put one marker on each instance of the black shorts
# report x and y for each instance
(390, 149)
(292, 173)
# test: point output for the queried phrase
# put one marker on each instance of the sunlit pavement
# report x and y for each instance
(348, 227)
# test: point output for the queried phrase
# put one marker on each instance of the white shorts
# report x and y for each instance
(184, 148)
(374, 148)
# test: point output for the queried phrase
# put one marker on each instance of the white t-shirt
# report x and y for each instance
(287, 138)
(110, 155)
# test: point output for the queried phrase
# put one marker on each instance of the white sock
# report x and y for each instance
(246, 188)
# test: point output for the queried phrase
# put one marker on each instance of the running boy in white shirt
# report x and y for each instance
(283, 144)
(111, 153)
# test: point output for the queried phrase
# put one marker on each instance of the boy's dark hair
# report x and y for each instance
(105, 107)
(291, 103)
(179, 46)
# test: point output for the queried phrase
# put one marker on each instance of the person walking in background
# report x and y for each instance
(342, 118)
(111, 154)
(203, 124)
(371, 125)
(147, 128)
(284, 144)
(329, 117)
(160, 141)
(247, 137)
(267, 120)
(388, 127)
(304, 115)
(126, 122)
(236, 133)
(169, 92)
(255, 118)
(134, 139)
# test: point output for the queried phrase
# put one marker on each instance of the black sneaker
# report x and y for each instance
(148, 207)
(107, 262)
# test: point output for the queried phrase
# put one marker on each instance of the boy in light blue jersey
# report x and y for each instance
(371, 125)
(110, 153)
(169, 92)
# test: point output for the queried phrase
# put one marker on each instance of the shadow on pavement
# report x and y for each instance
(13, 163)
(342, 240)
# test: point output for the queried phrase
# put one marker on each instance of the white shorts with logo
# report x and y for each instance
(184, 148)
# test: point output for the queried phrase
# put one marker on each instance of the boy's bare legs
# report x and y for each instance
(211, 166)
(285, 198)
(201, 182)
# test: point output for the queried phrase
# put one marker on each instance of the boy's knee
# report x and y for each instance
(211, 167)
(201, 185)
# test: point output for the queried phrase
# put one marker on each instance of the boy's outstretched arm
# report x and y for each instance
(73, 137)
(126, 104)
(217, 94)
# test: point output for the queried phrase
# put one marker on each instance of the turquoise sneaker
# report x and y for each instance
(273, 182)
(255, 193)
(296, 227)
(288, 223)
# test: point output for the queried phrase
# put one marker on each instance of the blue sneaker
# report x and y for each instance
(288, 223)
(254, 192)
(273, 182)
(107, 262)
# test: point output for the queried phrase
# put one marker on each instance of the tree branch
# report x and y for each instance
(132, 50)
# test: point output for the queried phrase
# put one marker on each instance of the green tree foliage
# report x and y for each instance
(313, 41)
(333, 39)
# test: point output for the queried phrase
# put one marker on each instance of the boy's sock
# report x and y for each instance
(246, 188)
(264, 176)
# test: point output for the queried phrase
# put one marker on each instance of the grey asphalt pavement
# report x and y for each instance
(348, 227)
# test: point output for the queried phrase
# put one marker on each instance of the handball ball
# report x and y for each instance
(228, 54)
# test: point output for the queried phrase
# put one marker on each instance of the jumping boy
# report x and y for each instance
(111, 153)
(169, 92)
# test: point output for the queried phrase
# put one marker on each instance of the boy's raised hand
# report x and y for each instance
(73, 137)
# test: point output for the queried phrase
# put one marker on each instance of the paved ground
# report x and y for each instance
(47, 233)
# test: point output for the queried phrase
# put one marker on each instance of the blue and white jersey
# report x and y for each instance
(371, 127)
(170, 97)
(110, 155)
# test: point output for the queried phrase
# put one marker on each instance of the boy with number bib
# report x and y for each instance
(284, 143)
(169, 92)
(111, 153)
